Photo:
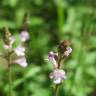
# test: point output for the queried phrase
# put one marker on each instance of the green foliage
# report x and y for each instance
(51, 21)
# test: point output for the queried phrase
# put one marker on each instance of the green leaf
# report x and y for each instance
(36, 21)
(32, 71)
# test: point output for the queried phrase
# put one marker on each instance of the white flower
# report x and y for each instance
(21, 61)
(24, 36)
(58, 76)
(68, 51)
(20, 50)
(52, 59)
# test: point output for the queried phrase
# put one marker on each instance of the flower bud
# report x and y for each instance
(62, 46)
(68, 51)
(52, 58)
(9, 46)
(6, 36)
(64, 49)
(24, 35)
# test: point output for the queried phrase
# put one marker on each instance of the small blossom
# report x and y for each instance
(52, 58)
(21, 61)
(20, 50)
(57, 76)
(24, 35)
(68, 51)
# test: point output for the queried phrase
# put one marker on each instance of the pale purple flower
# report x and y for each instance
(58, 76)
(52, 58)
(20, 50)
(21, 61)
(68, 51)
(24, 36)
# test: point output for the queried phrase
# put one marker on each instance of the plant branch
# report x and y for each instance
(56, 90)
(9, 75)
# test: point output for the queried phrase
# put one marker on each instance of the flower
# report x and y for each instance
(24, 35)
(20, 50)
(21, 61)
(52, 58)
(68, 51)
(58, 76)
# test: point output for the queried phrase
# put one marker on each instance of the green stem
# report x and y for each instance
(10, 75)
(56, 90)
(57, 86)
(60, 15)
(59, 62)
(25, 84)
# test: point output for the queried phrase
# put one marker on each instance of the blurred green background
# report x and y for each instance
(52, 21)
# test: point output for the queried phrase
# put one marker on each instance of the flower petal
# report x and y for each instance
(51, 57)
(57, 81)
(6, 46)
(19, 50)
(58, 76)
(21, 61)
(24, 35)
(69, 49)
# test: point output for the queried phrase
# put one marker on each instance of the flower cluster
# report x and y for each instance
(64, 49)
(19, 50)
(58, 76)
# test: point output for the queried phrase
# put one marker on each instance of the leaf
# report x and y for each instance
(17, 82)
(32, 71)
(90, 58)
(36, 21)
(7, 23)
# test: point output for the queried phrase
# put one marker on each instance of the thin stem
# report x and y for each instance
(57, 86)
(25, 84)
(9, 75)
(56, 90)
(59, 62)
(60, 25)
(60, 15)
